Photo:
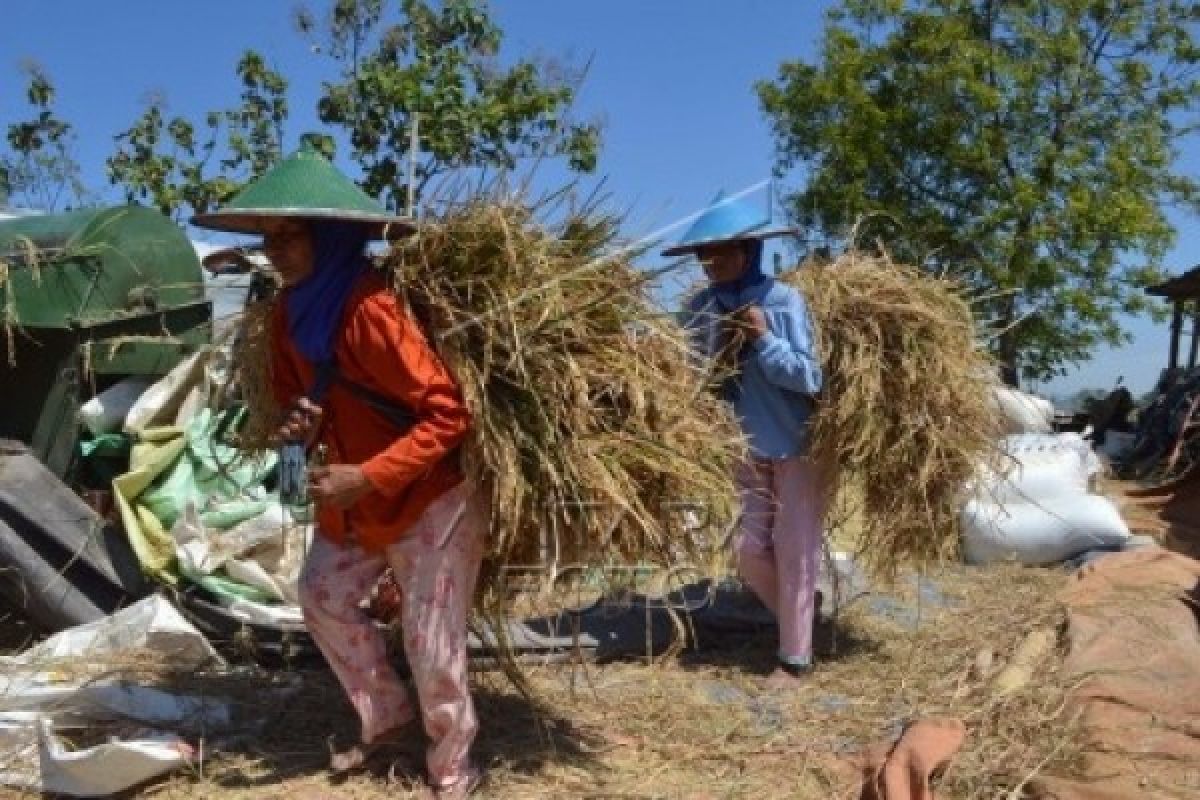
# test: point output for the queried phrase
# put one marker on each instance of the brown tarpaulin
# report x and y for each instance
(1134, 647)
(1170, 512)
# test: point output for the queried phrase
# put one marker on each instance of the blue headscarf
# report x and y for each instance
(315, 305)
(747, 288)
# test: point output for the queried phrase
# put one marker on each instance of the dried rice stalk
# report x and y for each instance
(9, 313)
(252, 370)
(25, 253)
(33, 258)
(907, 417)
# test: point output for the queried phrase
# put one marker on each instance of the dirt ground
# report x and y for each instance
(699, 724)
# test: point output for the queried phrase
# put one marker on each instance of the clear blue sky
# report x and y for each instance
(672, 82)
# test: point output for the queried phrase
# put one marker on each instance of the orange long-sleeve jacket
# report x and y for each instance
(382, 348)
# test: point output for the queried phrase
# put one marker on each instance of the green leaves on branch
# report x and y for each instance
(1027, 146)
(178, 168)
(38, 169)
(439, 61)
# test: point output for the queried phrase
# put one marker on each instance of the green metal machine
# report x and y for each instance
(87, 298)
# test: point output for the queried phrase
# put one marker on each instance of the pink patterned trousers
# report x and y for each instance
(779, 544)
(436, 565)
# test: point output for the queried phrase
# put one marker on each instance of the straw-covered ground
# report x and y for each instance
(699, 725)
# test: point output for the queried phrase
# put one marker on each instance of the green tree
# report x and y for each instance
(1027, 146)
(39, 170)
(439, 60)
(180, 167)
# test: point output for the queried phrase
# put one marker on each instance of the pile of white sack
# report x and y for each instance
(1039, 508)
(1021, 412)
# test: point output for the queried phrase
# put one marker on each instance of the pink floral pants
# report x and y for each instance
(435, 565)
(779, 544)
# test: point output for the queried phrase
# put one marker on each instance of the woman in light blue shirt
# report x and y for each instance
(773, 392)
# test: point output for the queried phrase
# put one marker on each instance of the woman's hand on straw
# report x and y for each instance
(752, 321)
(339, 485)
(302, 423)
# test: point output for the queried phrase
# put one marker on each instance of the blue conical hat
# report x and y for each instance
(726, 220)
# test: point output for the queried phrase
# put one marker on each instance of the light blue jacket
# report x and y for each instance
(780, 373)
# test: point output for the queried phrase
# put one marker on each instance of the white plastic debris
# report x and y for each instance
(286, 617)
(106, 412)
(161, 403)
(265, 552)
(149, 624)
(45, 763)
(47, 692)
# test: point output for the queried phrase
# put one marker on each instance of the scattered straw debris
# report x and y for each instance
(8, 313)
(700, 725)
(908, 416)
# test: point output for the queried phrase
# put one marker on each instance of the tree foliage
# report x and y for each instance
(1025, 145)
(177, 165)
(439, 60)
(38, 169)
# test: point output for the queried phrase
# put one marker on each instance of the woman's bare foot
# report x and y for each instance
(356, 756)
(784, 679)
(460, 790)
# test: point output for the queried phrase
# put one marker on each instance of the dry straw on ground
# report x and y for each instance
(701, 725)
(906, 417)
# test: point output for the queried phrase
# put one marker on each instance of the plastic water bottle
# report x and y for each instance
(293, 475)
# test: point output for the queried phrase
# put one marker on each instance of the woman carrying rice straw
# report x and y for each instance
(764, 326)
(354, 373)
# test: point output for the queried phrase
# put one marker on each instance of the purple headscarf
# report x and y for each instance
(315, 305)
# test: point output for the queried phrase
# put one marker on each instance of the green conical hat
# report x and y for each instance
(304, 186)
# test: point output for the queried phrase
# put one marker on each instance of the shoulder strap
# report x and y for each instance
(392, 411)
(327, 374)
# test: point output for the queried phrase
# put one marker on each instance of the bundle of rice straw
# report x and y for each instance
(252, 376)
(593, 430)
(592, 427)
(906, 418)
